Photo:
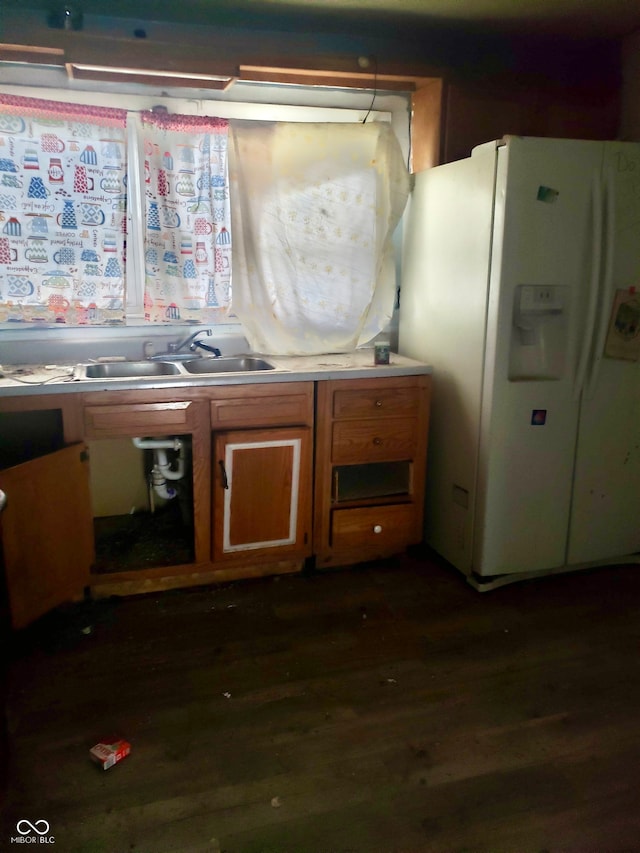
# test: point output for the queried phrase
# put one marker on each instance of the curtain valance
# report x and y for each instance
(39, 108)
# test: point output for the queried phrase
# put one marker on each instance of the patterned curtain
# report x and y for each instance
(187, 220)
(63, 177)
(315, 207)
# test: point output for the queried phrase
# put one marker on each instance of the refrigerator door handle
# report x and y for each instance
(597, 233)
(606, 290)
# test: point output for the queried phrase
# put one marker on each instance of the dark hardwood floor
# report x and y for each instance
(383, 709)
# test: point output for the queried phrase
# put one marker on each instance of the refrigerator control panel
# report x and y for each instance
(541, 299)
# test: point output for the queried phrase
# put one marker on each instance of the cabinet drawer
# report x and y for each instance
(139, 419)
(376, 402)
(263, 405)
(374, 440)
(382, 527)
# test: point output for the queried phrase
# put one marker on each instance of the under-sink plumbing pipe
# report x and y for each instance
(162, 470)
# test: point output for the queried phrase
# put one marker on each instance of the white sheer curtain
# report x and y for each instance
(313, 212)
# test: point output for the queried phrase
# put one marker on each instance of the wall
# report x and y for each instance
(311, 40)
(493, 85)
(477, 111)
(630, 110)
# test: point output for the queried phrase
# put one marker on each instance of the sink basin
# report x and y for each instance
(232, 364)
(184, 368)
(130, 369)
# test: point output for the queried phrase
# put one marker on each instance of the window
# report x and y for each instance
(66, 186)
(138, 205)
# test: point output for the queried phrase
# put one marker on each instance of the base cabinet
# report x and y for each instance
(370, 466)
(265, 491)
(262, 474)
(160, 416)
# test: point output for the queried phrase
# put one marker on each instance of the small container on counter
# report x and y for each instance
(381, 351)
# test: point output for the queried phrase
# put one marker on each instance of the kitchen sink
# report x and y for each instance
(130, 369)
(231, 364)
(195, 366)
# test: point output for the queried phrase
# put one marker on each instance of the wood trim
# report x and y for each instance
(112, 51)
(148, 77)
(31, 53)
(323, 468)
(426, 125)
(329, 77)
(179, 577)
(201, 473)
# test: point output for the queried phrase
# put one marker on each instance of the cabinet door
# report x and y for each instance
(262, 483)
(47, 532)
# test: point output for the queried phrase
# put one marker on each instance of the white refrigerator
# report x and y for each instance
(519, 276)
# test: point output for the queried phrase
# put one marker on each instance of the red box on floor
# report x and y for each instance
(109, 751)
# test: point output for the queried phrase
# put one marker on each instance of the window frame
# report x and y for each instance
(269, 102)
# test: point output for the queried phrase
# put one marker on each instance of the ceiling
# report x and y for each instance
(573, 18)
(581, 18)
(578, 19)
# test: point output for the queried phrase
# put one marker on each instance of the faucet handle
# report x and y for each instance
(196, 345)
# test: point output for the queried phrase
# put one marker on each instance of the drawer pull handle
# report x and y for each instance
(377, 441)
(377, 528)
(378, 404)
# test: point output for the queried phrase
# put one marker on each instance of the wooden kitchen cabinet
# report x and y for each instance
(262, 473)
(256, 507)
(46, 526)
(158, 414)
(370, 466)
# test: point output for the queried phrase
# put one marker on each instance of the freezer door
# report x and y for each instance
(544, 239)
(605, 517)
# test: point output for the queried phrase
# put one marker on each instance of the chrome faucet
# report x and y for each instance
(175, 350)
